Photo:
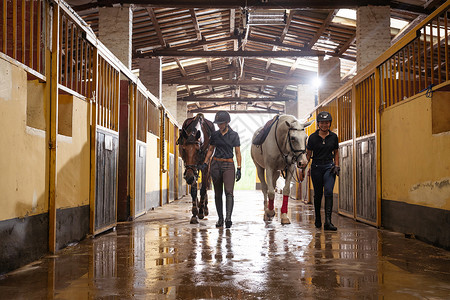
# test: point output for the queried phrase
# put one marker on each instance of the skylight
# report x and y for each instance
(351, 14)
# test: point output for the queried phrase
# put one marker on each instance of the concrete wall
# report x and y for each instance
(416, 171)
(23, 151)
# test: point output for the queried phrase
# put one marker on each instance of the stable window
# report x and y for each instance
(440, 107)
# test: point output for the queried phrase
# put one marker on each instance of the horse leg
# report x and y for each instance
(286, 192)
(203, 207)
(270, 212)
(194, 219)
(262, 179)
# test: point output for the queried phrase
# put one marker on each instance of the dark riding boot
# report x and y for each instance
(219, 208)
(229, 207)
(328, 210)
(318, 221)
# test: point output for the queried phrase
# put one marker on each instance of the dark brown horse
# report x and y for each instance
(194, 143)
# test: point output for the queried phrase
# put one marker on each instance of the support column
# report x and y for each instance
(291, 108)
(306, 100)
(373, 33)
(150, 74)
(181, 112)
(169, 98)
(115, 25)
(330, 77)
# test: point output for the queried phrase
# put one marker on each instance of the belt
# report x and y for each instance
(322, 161)
(223, 159)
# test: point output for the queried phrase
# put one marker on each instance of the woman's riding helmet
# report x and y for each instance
(222, 117)
(324, 116)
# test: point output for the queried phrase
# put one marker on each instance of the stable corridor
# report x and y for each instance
(161, 256)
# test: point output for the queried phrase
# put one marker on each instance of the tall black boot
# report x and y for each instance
(328, 210)
(317, 204)
(229, 207)
(219, 208)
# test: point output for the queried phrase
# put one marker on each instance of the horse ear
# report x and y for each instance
(198, 134)
(307, 123)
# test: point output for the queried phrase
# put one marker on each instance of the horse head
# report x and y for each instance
(296, 139)
(191, 152)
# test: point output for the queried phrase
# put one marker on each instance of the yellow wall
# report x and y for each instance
(23, 149)
(152, 175)
(415, 163)
(72, 186)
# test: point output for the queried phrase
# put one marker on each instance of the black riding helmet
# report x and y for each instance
(222, 117)
(324, 116)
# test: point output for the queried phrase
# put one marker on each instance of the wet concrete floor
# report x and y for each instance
(162, 256)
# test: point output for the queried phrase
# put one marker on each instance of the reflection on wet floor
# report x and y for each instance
(162, 256)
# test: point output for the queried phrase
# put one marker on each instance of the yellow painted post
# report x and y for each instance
(161, 156)
(53, 133)
(93, 149)
(378, 142)
(167, 136)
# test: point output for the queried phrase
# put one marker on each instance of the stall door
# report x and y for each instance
(141, 150)
(366, 188)
(106, 180)
(346, 205)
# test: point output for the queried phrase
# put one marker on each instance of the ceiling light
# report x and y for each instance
(266, 17)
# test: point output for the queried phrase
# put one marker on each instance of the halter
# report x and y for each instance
(295, 156)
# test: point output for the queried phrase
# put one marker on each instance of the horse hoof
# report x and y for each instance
(284, 219)
(194, 220)
(200, 214)
(270, 213)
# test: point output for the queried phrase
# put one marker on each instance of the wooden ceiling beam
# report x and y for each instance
(250, 54)
(201, 75)
(234, 99)
(152, 15)
(286, 4)
(344, 47)
(181, 81)
(323, 27)
(259, 110)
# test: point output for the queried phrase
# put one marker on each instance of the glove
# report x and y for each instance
(203, 166)
(238, 174)
(335, 170)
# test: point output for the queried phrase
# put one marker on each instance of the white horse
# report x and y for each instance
(283, 150)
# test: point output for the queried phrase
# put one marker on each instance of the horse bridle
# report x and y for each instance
(295, 156)
(201, 154)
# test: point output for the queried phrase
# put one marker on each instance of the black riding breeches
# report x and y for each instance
(323, 181)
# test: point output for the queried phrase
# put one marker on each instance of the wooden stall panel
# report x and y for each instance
(346, 199)
(106, 180)
(419, 65)
(141, 151)
(344, 117)
(23, 32)
(366, 200)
